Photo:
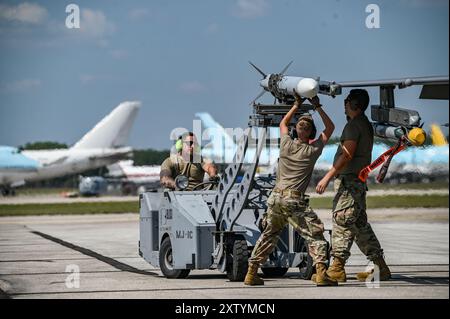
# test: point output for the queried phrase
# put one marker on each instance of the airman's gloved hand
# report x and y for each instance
(298, 99)
(215, 179)
(315, 101)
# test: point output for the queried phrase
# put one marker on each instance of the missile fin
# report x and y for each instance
(258, 96)
(285, 68)
(257, 69)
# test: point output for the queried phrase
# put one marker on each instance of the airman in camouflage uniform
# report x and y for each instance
(288, 202)
(349, 205)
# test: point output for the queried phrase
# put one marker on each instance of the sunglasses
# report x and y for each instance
(190, 143)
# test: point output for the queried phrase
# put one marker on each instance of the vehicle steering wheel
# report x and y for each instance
(210, 183)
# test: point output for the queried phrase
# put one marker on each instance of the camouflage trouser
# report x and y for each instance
(282, 210)
(350, 220)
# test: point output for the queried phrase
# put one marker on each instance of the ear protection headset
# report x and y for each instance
(179, 144)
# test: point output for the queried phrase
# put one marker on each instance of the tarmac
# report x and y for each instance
(39, 257)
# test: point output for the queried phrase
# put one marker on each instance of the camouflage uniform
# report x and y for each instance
(288, 207)
(350, 220)
(349, 205)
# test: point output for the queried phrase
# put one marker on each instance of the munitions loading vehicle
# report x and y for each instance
(217, 229)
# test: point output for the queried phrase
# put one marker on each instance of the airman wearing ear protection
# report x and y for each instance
(349, 205)
(188, 162)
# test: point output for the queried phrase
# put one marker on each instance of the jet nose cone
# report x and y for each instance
(307, 87)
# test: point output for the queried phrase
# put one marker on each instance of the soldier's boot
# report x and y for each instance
(337, 271)
(385, 273)
(322, 278)
(252, 278)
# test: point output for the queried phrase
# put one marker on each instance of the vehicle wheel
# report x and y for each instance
(238, 266)
(166, 261)
(306, 267)
(274, 272)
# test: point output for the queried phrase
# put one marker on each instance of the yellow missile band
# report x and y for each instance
(417, 136)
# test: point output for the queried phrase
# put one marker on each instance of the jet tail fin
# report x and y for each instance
(113, 130)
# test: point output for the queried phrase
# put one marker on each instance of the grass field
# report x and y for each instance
(431, 185)
(387, 187)
(389, 201)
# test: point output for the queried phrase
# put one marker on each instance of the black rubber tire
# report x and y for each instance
(274, 272)
(165, 262)
(238, 266)
(306, 268)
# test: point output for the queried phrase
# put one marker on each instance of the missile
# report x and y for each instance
(388, 131)
(416, 136)
(282, 87)
(285, 86)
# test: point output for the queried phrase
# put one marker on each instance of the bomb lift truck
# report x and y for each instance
(217, 229)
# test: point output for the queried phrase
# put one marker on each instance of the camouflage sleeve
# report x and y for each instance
(167, 169)
(350, 132)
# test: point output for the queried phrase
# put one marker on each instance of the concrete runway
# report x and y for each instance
(37, 253)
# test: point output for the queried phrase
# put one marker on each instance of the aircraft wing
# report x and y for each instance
(434, 87)
(60, 160)
(400, 82)
(118, 154)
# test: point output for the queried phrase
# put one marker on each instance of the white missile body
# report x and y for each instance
(305, 87)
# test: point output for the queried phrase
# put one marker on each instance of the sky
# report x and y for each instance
(183, 57)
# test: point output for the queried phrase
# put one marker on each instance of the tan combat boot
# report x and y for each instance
(385, 273)
(252, 278)
(337, 271)
(321, 278)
